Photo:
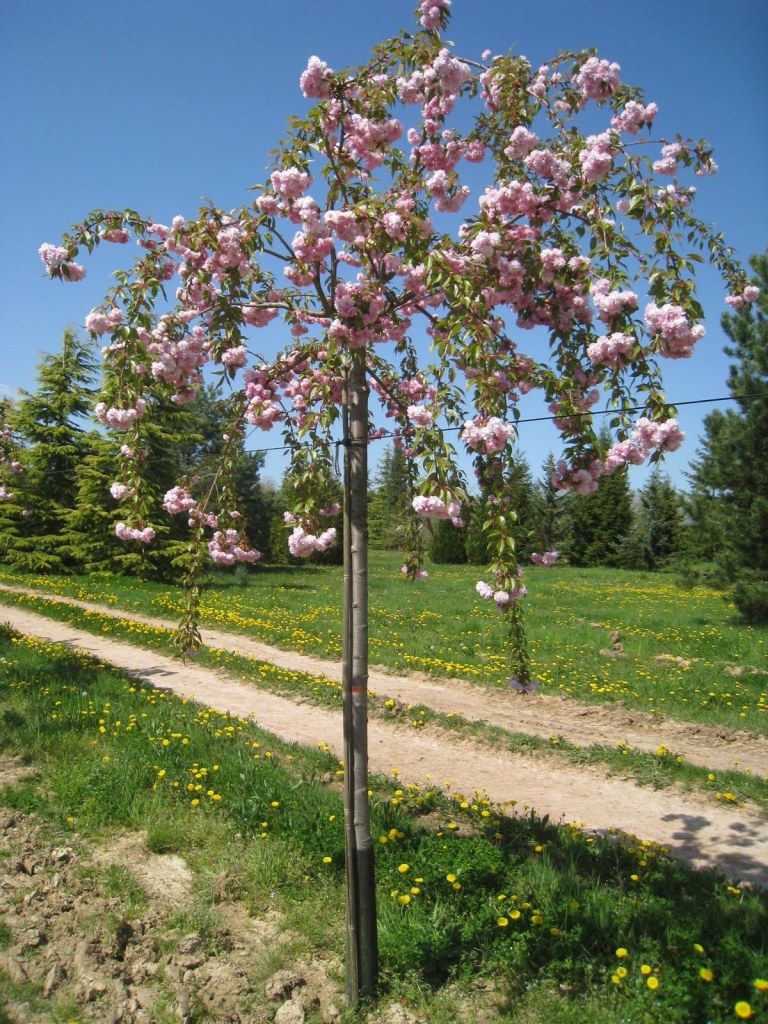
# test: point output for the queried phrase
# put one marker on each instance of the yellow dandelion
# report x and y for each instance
(705, 974)
(502, 922)
(743, 1010)
(652, 983)
(621, 953)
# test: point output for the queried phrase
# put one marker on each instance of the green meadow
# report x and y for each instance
(479, 913)
(686, 653)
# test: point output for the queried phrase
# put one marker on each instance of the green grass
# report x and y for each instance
(658, 769)
(440, 627)
(531, 912)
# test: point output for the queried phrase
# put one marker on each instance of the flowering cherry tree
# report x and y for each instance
(442, 233)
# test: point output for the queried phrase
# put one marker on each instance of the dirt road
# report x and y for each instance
(695, 827)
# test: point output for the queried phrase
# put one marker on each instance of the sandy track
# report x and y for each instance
(695, 828)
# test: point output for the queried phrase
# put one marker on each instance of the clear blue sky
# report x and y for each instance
(155, 104)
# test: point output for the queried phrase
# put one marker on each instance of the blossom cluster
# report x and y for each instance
(673, 331)
(120, 419)
(432, 507)
(178, 499)
(58, 264)
(647, 436)
(302, 544)
(546, 559)
(226, 548)
(144, 535)
(502, 595)
(101, 323)
(744, 298)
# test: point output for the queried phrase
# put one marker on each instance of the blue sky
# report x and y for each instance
(156, 104)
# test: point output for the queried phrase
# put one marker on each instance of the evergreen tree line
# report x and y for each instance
(61, 518)
(615, 527)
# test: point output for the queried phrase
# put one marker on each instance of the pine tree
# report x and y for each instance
(526, 510)
(51, 425)
(448, 544)
(525, 506)
(729, 476)
(661, 520)
(476, 541)
(389, 510)
(549, 509)
(598, 523)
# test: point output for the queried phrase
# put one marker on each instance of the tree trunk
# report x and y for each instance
(362, 945)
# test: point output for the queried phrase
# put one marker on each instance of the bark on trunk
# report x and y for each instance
(362, 943)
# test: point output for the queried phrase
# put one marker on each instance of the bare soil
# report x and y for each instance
(696, 828)
(77, 941)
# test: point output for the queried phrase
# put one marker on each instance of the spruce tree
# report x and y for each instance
(448, 544)
(52, 427)
(661, 520)
(729, 476)
(389, 510)
(598, 523)
(549, 509)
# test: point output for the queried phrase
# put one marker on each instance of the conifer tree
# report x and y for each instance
(52, 427)
(729, 476)
(661, 520)
(599, 522)
(389, 510)
(550, 506)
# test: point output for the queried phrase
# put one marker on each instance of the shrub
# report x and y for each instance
(750, 595)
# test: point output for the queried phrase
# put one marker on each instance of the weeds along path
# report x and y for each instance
(731, 839)
(713, 747)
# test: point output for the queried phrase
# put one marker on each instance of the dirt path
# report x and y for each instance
(713, 747)
(732, 839)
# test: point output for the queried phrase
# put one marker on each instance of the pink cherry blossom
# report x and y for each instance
(143, 536)
(744, 298)
(120, 491)
(416, 574)
(226, 548)
(487, 435)
(178, 499)
(634, 116)
(302, 544)
(420, 415)
(546, 559)
(597, 79)
(674, 333)
(315, 80)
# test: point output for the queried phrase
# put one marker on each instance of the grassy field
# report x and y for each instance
(556, 924)
(687, 653)
(657, 767)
